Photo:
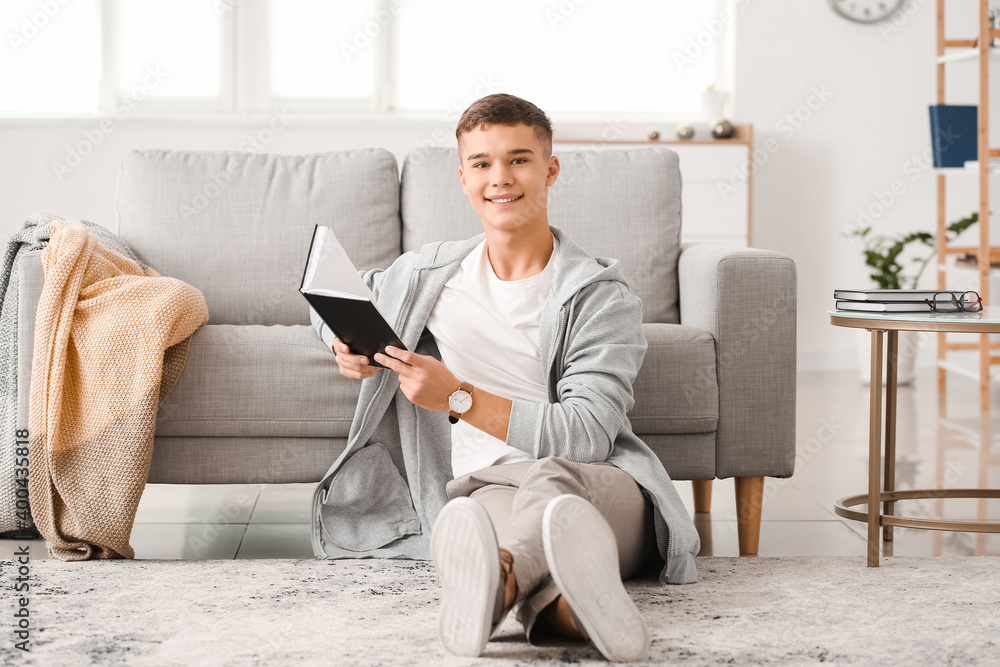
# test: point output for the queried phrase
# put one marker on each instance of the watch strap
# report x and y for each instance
(453, 416)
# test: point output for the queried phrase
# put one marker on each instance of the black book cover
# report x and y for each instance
(357, 323)
(338, 294)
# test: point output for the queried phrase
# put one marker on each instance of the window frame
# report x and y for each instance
(245, 71)
(255, 79)
(112, 89)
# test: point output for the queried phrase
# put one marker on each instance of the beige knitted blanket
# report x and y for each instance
(111, 342)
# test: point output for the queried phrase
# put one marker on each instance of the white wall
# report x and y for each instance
(872, 131)
(867, 126)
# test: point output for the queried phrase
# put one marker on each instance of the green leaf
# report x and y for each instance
(885, 254)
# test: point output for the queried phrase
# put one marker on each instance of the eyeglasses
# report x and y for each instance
(949, 302)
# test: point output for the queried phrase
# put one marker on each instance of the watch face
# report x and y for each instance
(866, 11)
(460, 401)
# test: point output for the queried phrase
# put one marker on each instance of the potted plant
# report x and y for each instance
(884, 255)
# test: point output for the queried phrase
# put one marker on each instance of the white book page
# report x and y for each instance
(329, 270)
(332, 292)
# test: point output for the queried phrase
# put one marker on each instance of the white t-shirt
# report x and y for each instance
(487, 332)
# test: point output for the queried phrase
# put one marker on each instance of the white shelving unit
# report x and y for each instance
(969, 168)
(958, 54)
(950, 51)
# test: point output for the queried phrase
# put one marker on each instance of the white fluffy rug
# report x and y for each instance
(743, 611)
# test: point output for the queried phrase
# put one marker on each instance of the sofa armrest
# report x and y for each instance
(746, 299)
(31, 279)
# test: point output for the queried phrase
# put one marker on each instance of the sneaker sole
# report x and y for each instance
(582, 555)
(465, 553)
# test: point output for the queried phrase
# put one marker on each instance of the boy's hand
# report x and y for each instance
(352, 365)
(424, 380)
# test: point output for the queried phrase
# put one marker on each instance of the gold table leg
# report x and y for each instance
(874, 448)
(890, 425)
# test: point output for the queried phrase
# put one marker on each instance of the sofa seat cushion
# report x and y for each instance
(259, 381)
(282, 382)
(677, 390)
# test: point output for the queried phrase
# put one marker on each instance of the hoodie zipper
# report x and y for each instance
(555, 348)
(403, 311)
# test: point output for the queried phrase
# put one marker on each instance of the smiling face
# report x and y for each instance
(506, 174)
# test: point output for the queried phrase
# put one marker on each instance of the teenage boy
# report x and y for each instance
(553, 501)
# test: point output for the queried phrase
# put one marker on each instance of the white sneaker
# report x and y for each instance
(466, 555)
(582, 555)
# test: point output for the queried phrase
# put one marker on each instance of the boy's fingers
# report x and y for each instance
(357, 375)
(390, 362)
(339, 347)
(354, 367)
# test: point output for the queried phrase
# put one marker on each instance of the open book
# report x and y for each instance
(339, 295)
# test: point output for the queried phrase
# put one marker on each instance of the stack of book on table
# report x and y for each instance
(893, 300)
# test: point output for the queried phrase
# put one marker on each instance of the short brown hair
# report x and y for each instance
(504, 109)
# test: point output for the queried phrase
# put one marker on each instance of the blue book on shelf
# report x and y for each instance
(953, 134)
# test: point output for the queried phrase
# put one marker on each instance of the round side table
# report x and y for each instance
(984, 322)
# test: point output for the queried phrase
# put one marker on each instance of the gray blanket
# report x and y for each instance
(33, 235)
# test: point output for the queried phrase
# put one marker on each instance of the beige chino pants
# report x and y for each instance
(515, 496)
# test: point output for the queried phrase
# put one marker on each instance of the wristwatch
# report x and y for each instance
(460, 402)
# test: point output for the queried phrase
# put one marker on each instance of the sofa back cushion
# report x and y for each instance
(237, 225)
(620, 203)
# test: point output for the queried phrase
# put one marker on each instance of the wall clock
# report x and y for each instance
(866, 11)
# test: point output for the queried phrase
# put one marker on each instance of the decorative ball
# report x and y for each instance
(685, 131)
(654, 135)
(722, 129)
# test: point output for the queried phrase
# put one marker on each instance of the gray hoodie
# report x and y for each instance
(382, 494)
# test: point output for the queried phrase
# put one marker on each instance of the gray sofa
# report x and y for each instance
(261, 399)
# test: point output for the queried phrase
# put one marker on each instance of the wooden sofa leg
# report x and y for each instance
(749, 499)
(702, 495)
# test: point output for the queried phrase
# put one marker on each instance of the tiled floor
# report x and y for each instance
(936, 445)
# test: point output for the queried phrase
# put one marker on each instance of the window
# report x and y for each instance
(557, 54)
(50, 61)
(167, 49)
(321, 58)
(571, 57)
